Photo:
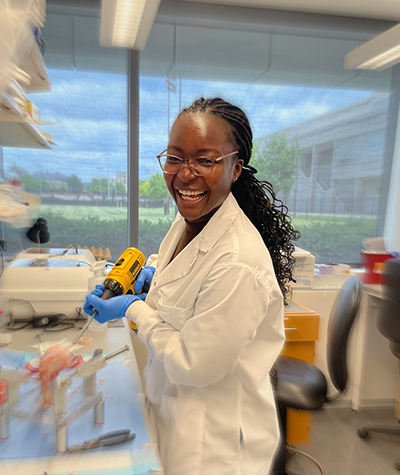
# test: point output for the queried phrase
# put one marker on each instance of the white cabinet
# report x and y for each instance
(20, 54)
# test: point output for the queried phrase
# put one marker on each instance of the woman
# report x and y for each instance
(213, 317)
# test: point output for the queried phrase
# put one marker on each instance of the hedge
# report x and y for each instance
(329, 241)
(94, 232)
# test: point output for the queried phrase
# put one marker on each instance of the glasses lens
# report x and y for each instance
(201, 165)
(170, 164)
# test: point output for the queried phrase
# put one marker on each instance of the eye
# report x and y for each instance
(173, 160)
(204, 161)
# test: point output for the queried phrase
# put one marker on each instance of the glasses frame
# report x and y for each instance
(187, 160)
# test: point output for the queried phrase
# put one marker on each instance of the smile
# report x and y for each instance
(187, 195)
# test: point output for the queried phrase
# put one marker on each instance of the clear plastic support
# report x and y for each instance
(60, 417)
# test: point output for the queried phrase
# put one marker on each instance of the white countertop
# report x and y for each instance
(140, 458)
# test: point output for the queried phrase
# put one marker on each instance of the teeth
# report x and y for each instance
(191, 195)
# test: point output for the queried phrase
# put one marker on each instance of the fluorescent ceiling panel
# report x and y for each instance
(127, 23)
(379, 53)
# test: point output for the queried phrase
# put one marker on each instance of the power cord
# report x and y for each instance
(53, 327)
(11, 326)
(63, 323)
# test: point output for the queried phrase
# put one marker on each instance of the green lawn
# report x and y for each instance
(330, 239)
(104, 213)
(112, 213)
(154, 214)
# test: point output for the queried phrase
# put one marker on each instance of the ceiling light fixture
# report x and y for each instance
(127, 23)
(379, 53)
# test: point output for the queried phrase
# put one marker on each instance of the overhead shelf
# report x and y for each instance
(17, 128)
(22, 71)
(10, 104)
(22, 135)
(34, 65)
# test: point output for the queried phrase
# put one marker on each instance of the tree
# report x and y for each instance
(144, 188)
(157, 189)
(75, 184)
(32, 183)
(99, 185)
(120, 188)
(277, 161)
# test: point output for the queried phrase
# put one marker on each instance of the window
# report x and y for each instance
(291, 83)
(284, 69)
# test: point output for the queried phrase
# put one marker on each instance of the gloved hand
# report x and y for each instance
(144, 278)
(110, 309)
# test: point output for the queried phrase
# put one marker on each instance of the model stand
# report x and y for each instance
(15, 405)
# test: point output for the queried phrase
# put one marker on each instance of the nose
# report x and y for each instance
(185, 172)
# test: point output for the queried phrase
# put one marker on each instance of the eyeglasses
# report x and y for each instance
(199, 166)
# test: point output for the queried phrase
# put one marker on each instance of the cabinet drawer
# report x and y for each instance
(301, 327)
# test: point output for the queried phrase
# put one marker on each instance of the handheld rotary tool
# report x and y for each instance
(120, 280)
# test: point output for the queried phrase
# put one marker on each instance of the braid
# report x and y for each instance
(257, 198)
(269, 215)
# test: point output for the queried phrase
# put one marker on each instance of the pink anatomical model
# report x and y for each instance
(54, 360)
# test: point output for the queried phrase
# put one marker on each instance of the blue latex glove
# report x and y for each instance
(98, 292)
(144, 278)
(110, 309)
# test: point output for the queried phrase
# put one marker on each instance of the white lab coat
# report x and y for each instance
(213, 326)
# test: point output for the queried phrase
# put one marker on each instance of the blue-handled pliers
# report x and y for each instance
(109, 438)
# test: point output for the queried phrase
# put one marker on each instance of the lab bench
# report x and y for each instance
(125, 408)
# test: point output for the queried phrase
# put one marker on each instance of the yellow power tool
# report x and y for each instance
(120, 280)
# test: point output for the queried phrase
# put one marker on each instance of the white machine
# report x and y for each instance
(304, 268)
(50, 281)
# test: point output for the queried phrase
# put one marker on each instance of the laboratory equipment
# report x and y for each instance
(24, 406)
(49, 281)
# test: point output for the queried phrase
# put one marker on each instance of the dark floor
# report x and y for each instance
(335, 444)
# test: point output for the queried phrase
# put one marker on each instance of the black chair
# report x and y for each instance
(301, 385)
(388, 324)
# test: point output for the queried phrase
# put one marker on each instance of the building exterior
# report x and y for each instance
(341, 158)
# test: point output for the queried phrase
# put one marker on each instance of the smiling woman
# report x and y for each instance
(216, 301)
(198, 193)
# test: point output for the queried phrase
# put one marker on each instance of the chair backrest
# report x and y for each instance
(341, 320)
(388, 321)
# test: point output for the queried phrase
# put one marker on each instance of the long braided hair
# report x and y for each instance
(257, 198)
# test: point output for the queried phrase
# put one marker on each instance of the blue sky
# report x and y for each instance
(91, 112)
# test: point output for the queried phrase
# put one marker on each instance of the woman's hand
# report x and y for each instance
(144, 279)
(110, 309)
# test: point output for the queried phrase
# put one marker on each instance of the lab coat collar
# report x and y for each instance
(218, 224)
(202, 243)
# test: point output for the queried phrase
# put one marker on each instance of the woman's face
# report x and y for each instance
(201, 134)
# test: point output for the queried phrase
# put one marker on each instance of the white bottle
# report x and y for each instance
(99, 271)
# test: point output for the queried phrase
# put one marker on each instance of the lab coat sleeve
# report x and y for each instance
(227, 313)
